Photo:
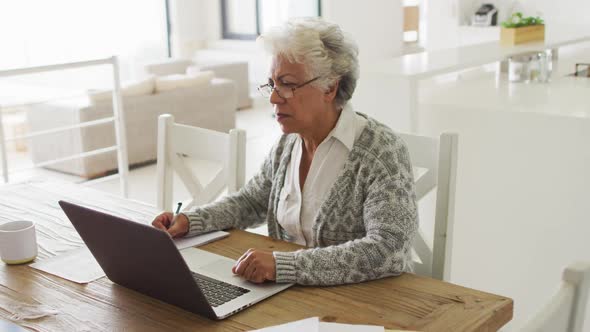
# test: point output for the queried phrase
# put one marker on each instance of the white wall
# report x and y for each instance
(563, 11)
(376, 25)
(441, 24)
(66, 31)
(522, 201)
(189, 26)
(443, 16)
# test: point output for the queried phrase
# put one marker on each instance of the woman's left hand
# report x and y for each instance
(256, 266)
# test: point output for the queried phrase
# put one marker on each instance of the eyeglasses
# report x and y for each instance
(284, 92)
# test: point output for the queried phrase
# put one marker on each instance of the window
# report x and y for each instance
(239, 19)
(70, 30)
(246, 19)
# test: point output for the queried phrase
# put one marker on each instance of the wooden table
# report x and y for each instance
(405, 302)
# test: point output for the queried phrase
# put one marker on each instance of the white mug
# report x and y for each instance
(18, 242)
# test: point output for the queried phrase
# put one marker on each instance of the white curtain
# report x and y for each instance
(38, 32)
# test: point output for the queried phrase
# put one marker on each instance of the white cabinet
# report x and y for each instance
(469, 35)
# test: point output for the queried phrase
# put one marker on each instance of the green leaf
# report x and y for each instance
(516, 20)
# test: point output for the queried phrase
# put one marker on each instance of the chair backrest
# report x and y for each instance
(566, 309)
(438, 157)
(177, 141)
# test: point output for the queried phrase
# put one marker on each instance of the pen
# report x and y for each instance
(175, 214)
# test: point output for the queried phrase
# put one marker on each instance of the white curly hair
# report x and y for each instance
(325, 50)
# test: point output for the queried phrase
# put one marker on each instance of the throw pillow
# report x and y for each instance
(128, 89)
(193, 70)
(96, 96)
(177, 81)
(144, 87)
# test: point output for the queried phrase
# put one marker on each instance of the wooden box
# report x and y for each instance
(515, 36)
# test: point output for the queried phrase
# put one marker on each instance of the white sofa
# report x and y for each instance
(212, 106)
(235, 71)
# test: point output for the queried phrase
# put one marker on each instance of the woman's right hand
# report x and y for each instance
(174, 226)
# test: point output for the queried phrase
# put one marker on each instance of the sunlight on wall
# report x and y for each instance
(36, 32)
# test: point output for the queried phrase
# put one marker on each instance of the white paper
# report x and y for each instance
(313, 324)
(307, 325)
(79, 265)
(199, 240)
(336, 327)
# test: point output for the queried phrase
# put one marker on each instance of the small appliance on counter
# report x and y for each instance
(485, 16)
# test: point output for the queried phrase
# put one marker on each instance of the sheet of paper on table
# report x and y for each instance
(199, 240)
(79, 265)
(313, 324)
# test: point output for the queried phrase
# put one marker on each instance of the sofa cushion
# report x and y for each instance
(140, 88)
(129, 89)
(176, 81)
(97, 96)
(193, 70)
(168, 67)
(212, 107)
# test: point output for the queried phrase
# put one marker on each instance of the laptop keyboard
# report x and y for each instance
(218, 292)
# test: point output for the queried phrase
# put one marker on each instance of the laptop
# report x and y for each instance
(145, 259)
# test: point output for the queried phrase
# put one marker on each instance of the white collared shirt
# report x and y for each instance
(297, 210)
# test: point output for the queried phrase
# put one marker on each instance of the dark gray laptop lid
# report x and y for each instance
(139, 257)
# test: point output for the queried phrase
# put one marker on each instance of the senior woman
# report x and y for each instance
(337, 181)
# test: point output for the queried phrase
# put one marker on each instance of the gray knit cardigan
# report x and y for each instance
(364, 228)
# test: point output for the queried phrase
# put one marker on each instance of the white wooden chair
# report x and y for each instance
(177, 141)
(439, 157)
(566, 309)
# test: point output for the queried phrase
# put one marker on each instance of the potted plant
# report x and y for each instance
(519, 29)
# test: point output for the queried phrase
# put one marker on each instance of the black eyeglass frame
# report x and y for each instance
(273, 88)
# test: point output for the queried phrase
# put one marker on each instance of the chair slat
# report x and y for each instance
(213, 188)
(200, 143)
(424, 184)
(438, 156)
(193, 185)
(424, 252)
(423, 150)
(175, 141)
(566, 310)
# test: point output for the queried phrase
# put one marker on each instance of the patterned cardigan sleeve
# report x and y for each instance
(243, 209)
(390, 219)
